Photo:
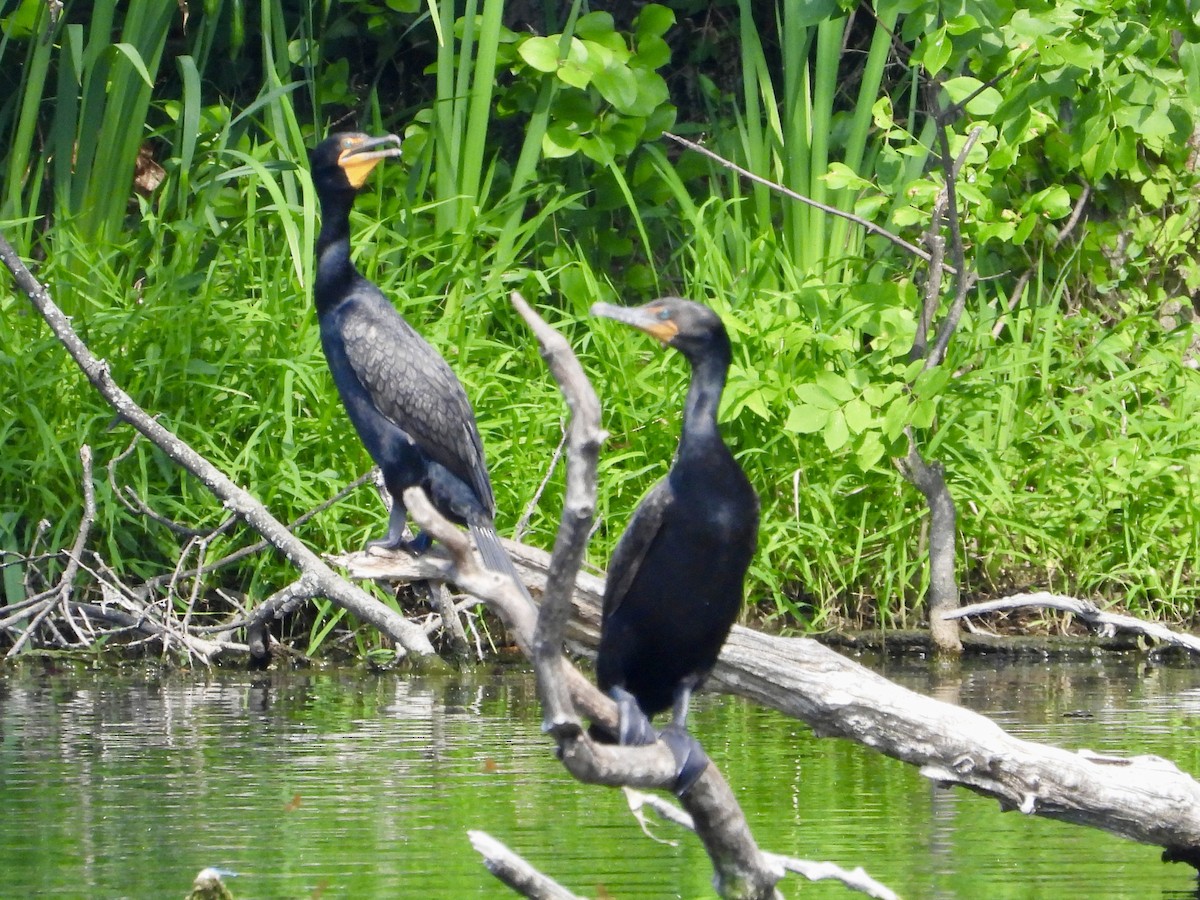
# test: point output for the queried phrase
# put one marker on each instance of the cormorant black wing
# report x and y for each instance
(635, 543)
(416, 389)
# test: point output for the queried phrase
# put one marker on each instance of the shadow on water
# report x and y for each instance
(354, 785)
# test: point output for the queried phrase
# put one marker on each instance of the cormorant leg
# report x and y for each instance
(633, 728)
(690, 758)
(683, 699)
(394, 539)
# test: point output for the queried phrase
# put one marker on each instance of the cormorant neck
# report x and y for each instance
(704, 396)
(334, 268)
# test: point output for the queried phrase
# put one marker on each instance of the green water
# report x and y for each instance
(346, 785)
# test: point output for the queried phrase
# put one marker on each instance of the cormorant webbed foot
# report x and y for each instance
(634, 728)
(415, 547)
(690, 758)
(394, 539)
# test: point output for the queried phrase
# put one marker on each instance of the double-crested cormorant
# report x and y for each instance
(408, 407)
(675, 580)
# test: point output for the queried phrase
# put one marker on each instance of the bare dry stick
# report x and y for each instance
(964, 280)
(348, 596)
(67, 582)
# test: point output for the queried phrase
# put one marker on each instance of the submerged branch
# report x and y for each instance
(515, 872)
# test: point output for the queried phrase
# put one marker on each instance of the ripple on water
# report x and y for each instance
(365, 786)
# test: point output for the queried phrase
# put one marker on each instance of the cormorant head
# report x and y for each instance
(343, 161)
(691, 328)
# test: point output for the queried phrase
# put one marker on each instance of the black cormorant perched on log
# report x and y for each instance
(675, 581)
(409, 408)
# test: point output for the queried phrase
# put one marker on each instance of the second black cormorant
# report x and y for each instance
(676, 577)
(409, 408)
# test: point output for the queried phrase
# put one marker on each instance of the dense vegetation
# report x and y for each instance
(153, 159)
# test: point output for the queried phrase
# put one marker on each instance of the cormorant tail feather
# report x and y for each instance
(495, 557)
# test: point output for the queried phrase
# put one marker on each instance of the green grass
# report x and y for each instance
(200, 302)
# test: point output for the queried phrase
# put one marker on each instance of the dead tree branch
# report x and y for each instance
(856, 879)
(741, 868)
(62, 595)
(411, 637)
(515, 872)
(1108, 623)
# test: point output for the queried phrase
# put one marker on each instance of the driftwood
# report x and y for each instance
(1143, 798)
(1108, 623)
(318, 579)
(741, 869)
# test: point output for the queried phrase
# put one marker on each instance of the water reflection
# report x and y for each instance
(126, 785)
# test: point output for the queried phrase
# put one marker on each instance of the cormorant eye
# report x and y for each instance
(663, 314)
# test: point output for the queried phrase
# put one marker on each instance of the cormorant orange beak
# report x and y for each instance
(645, 318)
(359, 155)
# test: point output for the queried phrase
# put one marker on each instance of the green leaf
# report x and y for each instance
(653, 21)
(814, 395)
(935, 51)
(870, 450)
(931, 382)
(651, 94)
(131, 53)
(559, 142)
(836, 433)
(836, 386)
(541, 53)
(881, 113)
(595, 25)
(1053, 202)
(806, 419)
(896, 418)
(652, 52)
(858, 415)
(842, 176)
(617, 85)
(574, 74)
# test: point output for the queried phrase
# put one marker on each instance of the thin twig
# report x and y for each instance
(523, 523)
(66, 583)
(788, 192)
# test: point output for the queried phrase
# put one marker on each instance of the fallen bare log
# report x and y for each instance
(1108, 623)
(1143, 798)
